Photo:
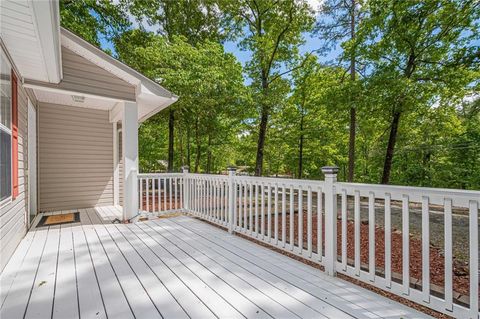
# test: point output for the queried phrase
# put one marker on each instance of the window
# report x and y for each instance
(5, 129)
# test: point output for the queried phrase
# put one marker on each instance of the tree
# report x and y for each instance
(92, 19)
(208, 81)
(272, 31)
(338, 24)
(196, 20)
(417, 52)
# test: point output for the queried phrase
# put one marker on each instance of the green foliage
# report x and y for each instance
(212, 96)
(416, 58)
(93, 18)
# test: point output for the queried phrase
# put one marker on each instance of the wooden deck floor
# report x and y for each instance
(175, 267)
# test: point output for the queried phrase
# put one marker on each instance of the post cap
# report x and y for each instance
(185, 168)
(329, 170)
(231, 169)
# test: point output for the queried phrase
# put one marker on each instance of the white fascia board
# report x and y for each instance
(112, 65)
(46, 16)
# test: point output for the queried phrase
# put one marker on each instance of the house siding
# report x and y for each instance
(81, 75)
(13, 215)
(75, 157)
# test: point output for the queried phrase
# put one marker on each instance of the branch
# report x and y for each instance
(301, 65)
(279, 38)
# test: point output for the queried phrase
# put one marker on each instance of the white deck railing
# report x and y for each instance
(302, 217)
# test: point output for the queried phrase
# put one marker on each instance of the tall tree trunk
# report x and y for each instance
(197, 141)
(353, 115)
(171, 125)
(209, 155)
(392, 139)
(262, 133)
(300, 149)
(188, 148)
(261, 141)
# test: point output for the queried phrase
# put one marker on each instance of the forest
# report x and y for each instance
(387, 90)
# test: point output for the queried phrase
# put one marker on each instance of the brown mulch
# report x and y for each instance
(461, 278)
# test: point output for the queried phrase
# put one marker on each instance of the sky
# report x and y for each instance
(311, 42)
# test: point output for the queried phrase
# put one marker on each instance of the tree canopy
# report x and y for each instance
(398, 104)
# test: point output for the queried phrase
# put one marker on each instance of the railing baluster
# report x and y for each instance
(284, 216)
(300, 219)
(170, 191)
(256, 209)
(425, 249)
(319, 224)
(405, 245)
(371, 235)
(235, 192)
(448, 254)
(473, 220)
(269, 212)
(275, 220)
(245, 207)
(388, 241)
(309, 221)
(153, 194)
(250, 211)
(344, 229)
(356, 220)
(292, 213)
(240, 205)
(262, 216)
(147, 194)
(141, 194)
(176, 190)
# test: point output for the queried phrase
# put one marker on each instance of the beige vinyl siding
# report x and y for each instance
(13, 215)
(81, 75)
(75, 157)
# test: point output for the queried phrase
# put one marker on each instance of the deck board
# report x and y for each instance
(345, 295)
(176, 267)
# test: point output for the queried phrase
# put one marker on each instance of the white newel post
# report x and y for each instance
(186, 191)
(231, 197)
(130, 160)
(330, 173)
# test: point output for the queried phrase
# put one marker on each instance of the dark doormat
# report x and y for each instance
(53, 220)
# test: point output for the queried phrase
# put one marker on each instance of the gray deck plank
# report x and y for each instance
(140, 302)
(66, 299)
(90, 299)
(215, 302)
(283, 291)
(16, 301)
(16, 261)
(352, 296)
(41, 299)
(245, 306)
(161, 297)
(176, 268)
(192, 304)
(116, 304)
(251, 287)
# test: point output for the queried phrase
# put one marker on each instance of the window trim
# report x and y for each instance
(10, 198)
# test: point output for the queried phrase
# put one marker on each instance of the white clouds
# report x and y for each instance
(315, 4)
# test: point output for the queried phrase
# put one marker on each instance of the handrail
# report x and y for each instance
(309, 217)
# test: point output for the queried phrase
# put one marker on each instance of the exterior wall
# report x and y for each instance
(75, 157)
(81, 75)
(13, 215)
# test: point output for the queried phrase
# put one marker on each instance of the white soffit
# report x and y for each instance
(30, 31)
(74, 100)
